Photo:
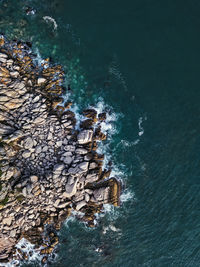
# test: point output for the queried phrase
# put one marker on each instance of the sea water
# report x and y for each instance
(139, 61)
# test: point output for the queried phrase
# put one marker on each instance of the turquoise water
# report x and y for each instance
(142, 58)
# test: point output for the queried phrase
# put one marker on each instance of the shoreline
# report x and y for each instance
(48, 167)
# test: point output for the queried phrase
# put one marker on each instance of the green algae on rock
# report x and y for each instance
(47, 166)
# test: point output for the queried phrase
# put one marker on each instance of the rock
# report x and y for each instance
(58, 168)
(71, 189)
(90, 113)
(31, 216)
(59, 143)
(57, 202)
(81, 151)
(14, 74)
(7, 221)
(24, 192)
(41, 81)
(12, 137)
(80, 204)
(38, 192)
(85, 137)
(38, 120)
(102, 116)
(67, 160)
(3, 55)
(63, 205)
(3, 60)
(3, 194)
(28, 143)
(87, 197)
(93, 165)
(91, 178)
(13, 233)
(6, 246)
(48, 167)
(26, 154)
(83, 166)
(34, 179)
(38, 149)
(36, 99)
(101, 194)
(87, 124)
(5, 129)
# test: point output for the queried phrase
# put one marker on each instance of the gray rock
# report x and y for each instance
(2, 55)
(38, 149)
(83, 166)
(26, 154)
(85, 137)
(67, 160)
(41, 81)
(71, 189)
(45, 149)
(17, 134)
(58, 168)
(80, 204)
(28, 143)
(14, 74)
(3, 60)
(69, 148)
(59, 143)
(34, 179)
(87, 197)
(24, 192)
(4, 193)
(93, 165)
(57, 202)
(101, 194)
(91, 178)
(36, 99)
(39, 120)
(5, 129)
(81, 151)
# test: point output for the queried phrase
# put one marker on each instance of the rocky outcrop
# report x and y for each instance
(47, 166)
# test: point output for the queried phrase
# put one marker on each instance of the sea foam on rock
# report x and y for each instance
(48, 167)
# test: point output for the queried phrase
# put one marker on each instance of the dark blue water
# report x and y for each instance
(142, 58)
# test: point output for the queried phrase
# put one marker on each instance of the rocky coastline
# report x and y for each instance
(48, 167)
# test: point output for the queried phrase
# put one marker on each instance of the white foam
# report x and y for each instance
(127, 196)
(52, 20)
(141, 129)
(111, 227)
(29, 249)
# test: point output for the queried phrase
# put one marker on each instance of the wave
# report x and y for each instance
(141, 129)
(51, 20)
(114, 70)
(24, 247)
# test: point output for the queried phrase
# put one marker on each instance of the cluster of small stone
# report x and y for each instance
(47, 166)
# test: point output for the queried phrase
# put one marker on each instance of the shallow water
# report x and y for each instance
(142, 58)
